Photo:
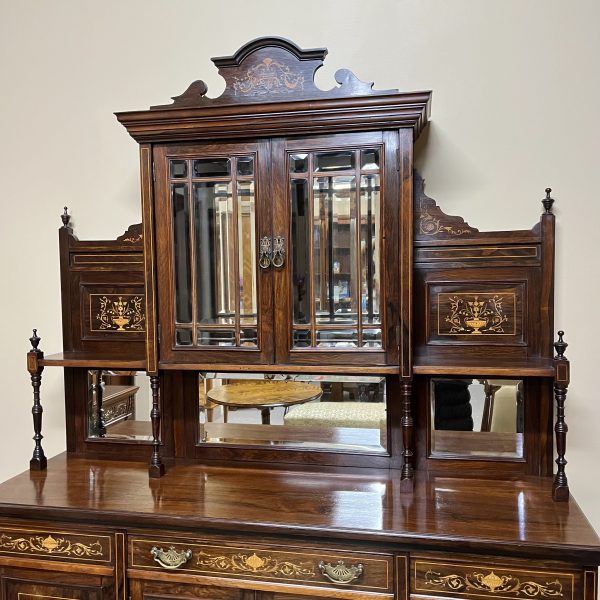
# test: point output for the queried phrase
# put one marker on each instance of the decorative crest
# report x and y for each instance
(133, 235)
(35, 341)
(560, 346)
(65, 217)
(431, 221)
(548, 202)
(271, 69)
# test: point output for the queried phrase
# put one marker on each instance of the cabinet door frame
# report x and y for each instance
(390, 273)
(169, 353)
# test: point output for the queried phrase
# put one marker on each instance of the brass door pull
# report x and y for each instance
(340, 573)
(171, 559)
(265, 252)
(278, 251)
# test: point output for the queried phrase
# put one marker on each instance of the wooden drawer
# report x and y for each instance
(486, 577)
(323, 567)
(55, 544)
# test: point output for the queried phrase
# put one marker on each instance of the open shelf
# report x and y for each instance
(529, 367)
(91, 360)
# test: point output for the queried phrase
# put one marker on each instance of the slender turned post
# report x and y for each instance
(157, 468)
(38, 461)
(98, 425)
(560, 489)
(408, 470)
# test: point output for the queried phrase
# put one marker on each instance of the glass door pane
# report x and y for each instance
(336, 226)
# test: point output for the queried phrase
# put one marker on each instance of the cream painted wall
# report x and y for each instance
(516, 93)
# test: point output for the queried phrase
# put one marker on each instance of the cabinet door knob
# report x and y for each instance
(278, 251)
(265, 252)
(171, 559)
(340, 573)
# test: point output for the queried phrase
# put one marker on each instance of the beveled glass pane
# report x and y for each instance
(248, 337)
(477, 417)
(183, 337)
(301, 248)
(335, 261)
(369, 159)
(181, 252)
(372, 338)
(298, 163)
(212, 167)
(216, 337)
(247, 249)
(334, 161)
(245, 166)
(370, 254)
(301, 338)
(342, 338)
(215, 252)
(178, 168)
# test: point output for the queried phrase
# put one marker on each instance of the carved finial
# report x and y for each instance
(560, 346)
(66, 217)
(35, 341)
(547, 201)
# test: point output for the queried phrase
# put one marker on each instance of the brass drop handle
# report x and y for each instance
(171, 559)
(265, 252)
(340, 573)
(278, 251)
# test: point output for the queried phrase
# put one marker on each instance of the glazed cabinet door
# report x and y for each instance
(335, 240)
(213, 253)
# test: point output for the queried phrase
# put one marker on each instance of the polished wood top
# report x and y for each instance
(260, 394)
(482, 515)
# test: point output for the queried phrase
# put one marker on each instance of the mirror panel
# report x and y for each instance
(477, 418)
(327, 412)
(119, 405)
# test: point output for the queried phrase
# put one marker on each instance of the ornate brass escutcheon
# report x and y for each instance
(171, 559)
(340, 573)
(265, 253)
(278, 251)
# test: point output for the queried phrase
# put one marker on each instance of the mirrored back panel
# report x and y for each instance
(323, 412)
(477, 418)
(118, 406)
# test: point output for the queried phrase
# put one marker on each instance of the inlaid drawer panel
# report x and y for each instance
(56, 544)
(483, 579)
(264, 562)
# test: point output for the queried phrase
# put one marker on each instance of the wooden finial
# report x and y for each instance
(560, 346)
(66, 217)
(35, 341)
(548, 201)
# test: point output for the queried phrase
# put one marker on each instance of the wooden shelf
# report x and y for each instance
(532, 367)
(91, 360)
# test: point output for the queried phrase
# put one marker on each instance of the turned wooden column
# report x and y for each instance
(38, 461)
(98, 427)
(407, 423)
(157, 468)
(560, 489)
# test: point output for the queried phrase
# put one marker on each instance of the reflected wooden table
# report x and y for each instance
(263, 395)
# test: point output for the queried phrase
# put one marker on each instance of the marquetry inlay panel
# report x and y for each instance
(265, 562)
(116, 312)
(490, 581)
(56, 544)
(471, 313)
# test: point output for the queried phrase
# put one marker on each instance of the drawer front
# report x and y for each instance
(56, 544)
(265, 562)
(484, 580)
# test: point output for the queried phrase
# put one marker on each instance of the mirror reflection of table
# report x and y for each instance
(263, 395)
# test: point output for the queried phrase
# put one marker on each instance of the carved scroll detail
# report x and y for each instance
(253, 563)
(50, 545)
(495, 584)
(133, 235)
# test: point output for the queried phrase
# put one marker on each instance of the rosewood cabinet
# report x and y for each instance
(394, 423)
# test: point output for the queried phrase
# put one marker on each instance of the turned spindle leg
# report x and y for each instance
(157, 468)
(407, 474)
(560, 489)
(98, 425)
(38, 461)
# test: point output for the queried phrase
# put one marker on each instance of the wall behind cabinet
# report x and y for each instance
(516, 94)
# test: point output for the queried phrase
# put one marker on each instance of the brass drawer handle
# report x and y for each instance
(340, 573)
(171, 559)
